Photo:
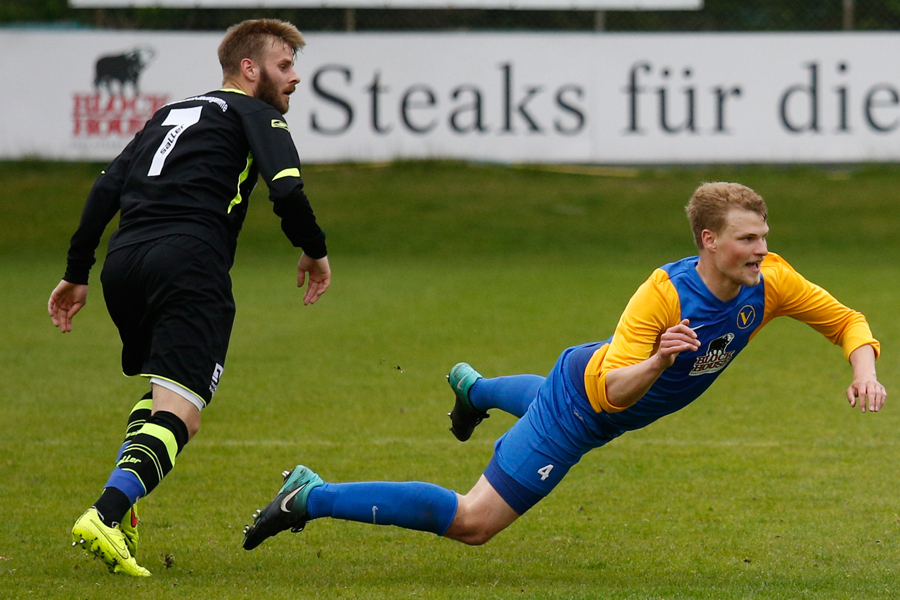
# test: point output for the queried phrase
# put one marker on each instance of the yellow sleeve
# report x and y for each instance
(789, 294)
(653, 308)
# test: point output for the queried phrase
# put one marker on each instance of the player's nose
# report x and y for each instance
(762, 247)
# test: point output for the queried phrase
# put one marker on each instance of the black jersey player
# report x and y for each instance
(181, 187)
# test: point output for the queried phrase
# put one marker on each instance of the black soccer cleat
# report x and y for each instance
(464, 417)
(286, 511)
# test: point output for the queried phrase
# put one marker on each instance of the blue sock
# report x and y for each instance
(409, 504)
(127, 483)
(512, 394)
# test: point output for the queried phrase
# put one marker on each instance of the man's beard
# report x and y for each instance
(267, 91)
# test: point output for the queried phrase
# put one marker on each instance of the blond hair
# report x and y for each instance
(711, 202)
(250, 39)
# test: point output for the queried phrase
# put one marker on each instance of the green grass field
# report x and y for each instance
(768, 487)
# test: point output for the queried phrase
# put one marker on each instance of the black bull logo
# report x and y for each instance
(123, 68)
(717, 346)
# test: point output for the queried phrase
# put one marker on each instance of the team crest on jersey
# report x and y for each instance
(716, 358)
(279, 124)
(746, 317)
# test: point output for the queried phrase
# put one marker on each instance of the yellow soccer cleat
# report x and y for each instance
(129, 527)
(106, 543)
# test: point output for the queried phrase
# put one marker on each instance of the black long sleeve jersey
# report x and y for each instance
(191, 170)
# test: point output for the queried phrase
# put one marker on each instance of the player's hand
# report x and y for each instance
(675, 340)
(867, 393)
(65, 302)
(319, 273)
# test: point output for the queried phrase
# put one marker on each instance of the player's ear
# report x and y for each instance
(249, 69)
(708, 237)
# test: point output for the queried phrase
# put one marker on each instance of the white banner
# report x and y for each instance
(444, 4)
(515, 97)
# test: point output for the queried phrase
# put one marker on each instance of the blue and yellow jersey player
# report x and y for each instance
(680, 330)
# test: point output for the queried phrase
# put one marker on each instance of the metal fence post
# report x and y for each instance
(848, 15)
(350, 19)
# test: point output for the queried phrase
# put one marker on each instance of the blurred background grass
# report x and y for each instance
(769, 486)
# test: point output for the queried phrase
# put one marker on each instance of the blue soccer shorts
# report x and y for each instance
(559, 428)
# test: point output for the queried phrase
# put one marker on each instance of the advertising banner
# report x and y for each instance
(500, 97)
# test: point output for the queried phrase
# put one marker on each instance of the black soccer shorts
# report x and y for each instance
(171, 300)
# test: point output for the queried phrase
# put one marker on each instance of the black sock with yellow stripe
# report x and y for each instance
(146, 460)
(151, 452)
(113, 504)
(136, 419)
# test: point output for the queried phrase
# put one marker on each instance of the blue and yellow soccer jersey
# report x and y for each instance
(675, 292)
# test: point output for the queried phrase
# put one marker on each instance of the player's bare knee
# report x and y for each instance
(479, 537)
(473, 536)
(193, 426)
(472, 529)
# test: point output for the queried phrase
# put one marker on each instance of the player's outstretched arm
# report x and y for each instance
(865, 389)
(319, 273)
(65, 302)
(627, 385)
